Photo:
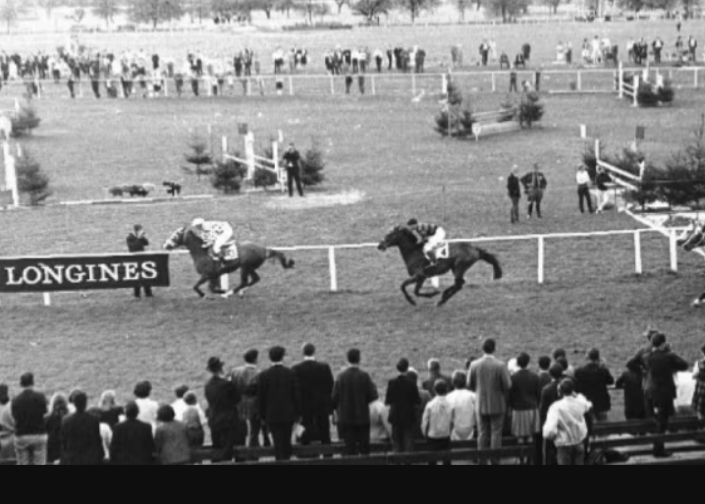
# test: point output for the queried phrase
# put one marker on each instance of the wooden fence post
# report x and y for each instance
(637, 253)
(674, 251)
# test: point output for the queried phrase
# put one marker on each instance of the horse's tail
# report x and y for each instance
(286, 263)
(490, 259)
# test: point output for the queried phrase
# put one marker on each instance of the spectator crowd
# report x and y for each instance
(552, 409)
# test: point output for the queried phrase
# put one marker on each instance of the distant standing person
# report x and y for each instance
(137, 243)
(514, 190)
(28, 410)
(292, 162)
(584, 182)
(535, 184)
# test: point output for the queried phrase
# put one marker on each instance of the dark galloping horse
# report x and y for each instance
(462, 257)
(251, 258)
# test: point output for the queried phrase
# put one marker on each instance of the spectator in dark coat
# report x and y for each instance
(353, 394)
(81, 444)
(404, 401)
(661, 367)
(223, 400)
(280, 403)
(245, 378)
(514, 190)
(535, 184)
(425, 397)
(133, 442)
(28, 410)
(592, 381)
(435, 374)
(137, 243)
(544, 374)
(316, 382)
(524, 399)
(58, 410)
(171, 439)
(632, 382)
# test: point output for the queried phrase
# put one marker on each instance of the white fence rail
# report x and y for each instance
(539, 239)
(382, 84)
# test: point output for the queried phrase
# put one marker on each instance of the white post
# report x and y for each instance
(620, 80)
(225, 283)
(542, 260)
(695, 84)
(47, 299)
(597, 150)
(674, 252)
(333, 270)
(250, 155)
(374, 86)
(580, 80)
(637, 83)
(494, 82)
(413, 84)
(291, 86)
(277, 168)
(165, 83)
(332, 85)
(11, 175)
(224, 146)
(436, 282)
(637, 253)
(444, 84)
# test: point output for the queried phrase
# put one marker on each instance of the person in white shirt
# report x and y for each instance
(380, 428)
(148, 407)
(463, 404)
(437, 424)
(179, 406)
(584, 182)
(567, 427)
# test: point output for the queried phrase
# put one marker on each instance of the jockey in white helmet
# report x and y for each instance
(432, 236)
(215, 235)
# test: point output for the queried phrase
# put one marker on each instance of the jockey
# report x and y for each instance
(215, 235)
(432, 236)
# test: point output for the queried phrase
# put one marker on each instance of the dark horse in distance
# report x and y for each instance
(461, 257)
(251, 258)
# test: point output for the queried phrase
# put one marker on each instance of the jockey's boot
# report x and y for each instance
(431, 256)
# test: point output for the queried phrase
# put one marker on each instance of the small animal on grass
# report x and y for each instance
(141, 190)
(173, 188)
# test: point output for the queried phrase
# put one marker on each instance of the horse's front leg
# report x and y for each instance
(419, 285)
(404, 288)
(204, 279)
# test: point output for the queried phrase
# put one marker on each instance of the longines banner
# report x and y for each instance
(56, 274)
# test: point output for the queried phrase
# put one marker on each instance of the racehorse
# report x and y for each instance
(691, 239)
(251, 258)
(461, 257)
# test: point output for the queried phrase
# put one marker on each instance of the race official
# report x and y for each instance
(584, 182)
(137, 243)
(292, 163)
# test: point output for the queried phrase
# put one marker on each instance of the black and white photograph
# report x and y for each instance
(352, 232)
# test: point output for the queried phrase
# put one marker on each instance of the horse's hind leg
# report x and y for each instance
(451, 292)
(253, 280)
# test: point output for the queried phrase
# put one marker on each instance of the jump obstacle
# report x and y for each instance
(255, 162)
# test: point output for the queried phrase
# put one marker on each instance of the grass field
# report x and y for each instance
(384, 148)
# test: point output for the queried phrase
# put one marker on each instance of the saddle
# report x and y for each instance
(230, 253)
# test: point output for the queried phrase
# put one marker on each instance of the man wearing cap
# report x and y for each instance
(292, 163)
(661, 366)
(514, 190)
(223, 419)
(137, 243)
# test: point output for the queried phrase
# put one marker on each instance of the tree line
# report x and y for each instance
(156, 12)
